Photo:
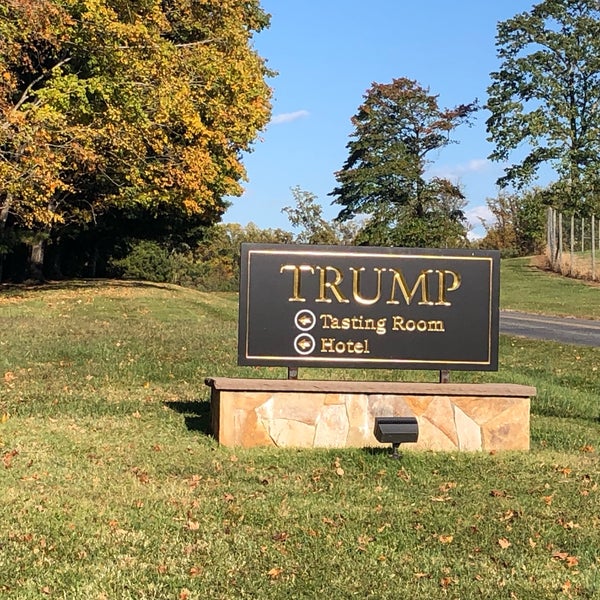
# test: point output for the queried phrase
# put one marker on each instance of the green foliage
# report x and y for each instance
(519, 225)
(212, 264)
(544, 97)
(307, 215)
(395, 130)
(126, 106)
(147, 261)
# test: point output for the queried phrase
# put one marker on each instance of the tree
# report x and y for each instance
(546, 96)
(307, 215)
(396, 130)
(108, 104)
(518, 228)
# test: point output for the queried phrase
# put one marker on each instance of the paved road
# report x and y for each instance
(567, 330)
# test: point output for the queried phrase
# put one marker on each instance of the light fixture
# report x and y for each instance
(396, 431)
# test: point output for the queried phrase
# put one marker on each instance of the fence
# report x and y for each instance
(573, 245)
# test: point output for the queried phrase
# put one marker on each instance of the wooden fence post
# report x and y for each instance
(593, 248)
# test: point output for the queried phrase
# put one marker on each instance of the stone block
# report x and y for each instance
(307, 414)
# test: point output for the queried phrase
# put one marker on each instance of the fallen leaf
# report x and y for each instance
(503, 543)
(403, 474)
(446, 487)
(338, 467)
(275, 572)
(547, 499)
(572, 561)
(7, 458)
(446, 539)
(281, 536)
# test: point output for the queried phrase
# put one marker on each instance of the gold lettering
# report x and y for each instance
(296, 283)
(401, 324)
(325, 285)
(327, 344)
(356, 286)
(421, 282)
(335, 346)
(442, 289)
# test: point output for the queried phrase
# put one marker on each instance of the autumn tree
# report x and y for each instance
(545, 97)
(518, 225)
(111, 105)
(397, 130)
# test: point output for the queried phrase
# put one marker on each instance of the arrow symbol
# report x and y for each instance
(304, 344)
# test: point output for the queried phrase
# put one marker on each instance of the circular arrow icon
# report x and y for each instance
(305, 320)
(304, 343)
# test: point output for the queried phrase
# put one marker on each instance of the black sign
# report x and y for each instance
(368, 307)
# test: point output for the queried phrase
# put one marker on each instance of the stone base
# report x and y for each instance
(341, 414)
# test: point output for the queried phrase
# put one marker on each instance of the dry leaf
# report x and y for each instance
(281, 536)
(548, 499)
(446, 539)
(446, 582)
(7, 458)
(446, 487)
(503, 543)
(338, 467)
(275, 572)
(572, 561)
(403, 474)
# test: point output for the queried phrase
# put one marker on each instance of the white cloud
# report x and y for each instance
(289, 117)
(474, 215)
(453, 172)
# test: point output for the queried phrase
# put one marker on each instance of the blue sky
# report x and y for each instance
(328, 53)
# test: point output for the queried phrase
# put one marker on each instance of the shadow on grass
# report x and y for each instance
(196, 414)
(77, 284)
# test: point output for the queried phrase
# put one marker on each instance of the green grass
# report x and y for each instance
(111, 487)
(525, 287)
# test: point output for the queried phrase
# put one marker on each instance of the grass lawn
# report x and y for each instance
(112, 489)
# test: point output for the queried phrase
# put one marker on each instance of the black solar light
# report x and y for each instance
(396, 431)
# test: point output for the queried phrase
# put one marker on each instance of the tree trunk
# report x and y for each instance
(4, 212)
(36, 261)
